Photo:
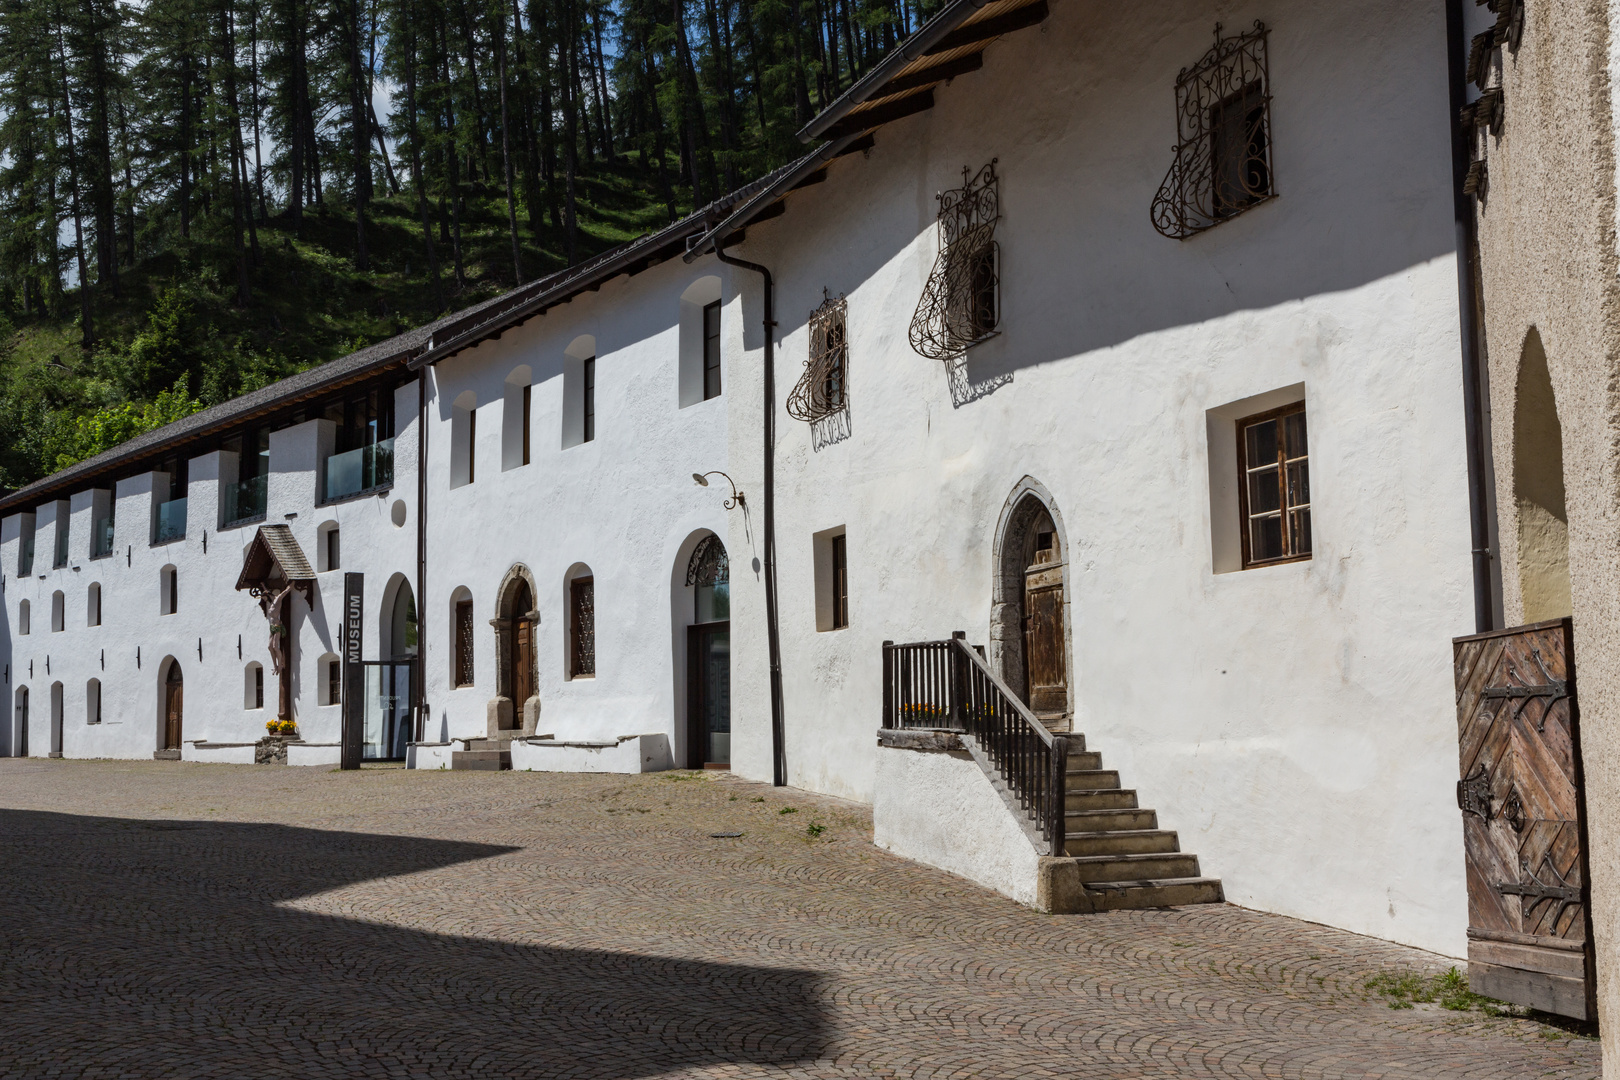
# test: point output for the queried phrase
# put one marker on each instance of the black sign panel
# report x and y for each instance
(354, 673)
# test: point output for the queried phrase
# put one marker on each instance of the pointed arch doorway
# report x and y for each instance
(516, 707)
(173, 706)
(708, 656)
(1029, 613)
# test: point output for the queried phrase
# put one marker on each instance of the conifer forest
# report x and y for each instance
(198, 197)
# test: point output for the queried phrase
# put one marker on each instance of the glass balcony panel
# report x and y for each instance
(171, 521)
(245, 499)
(101, 537)
(25, 564)
(360, 470)
(61, 548)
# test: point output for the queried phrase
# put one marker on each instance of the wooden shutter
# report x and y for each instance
(1524, 828)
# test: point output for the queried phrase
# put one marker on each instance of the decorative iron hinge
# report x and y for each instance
(1553, 690)
(1532, 890)
(1474, 793)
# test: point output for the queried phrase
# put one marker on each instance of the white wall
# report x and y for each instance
(126, 652)
(1292, 722)
(623, 505)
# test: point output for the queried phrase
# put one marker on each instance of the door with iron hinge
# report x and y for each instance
(1524, 824)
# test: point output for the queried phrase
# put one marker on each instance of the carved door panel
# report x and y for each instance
(1043, 642)
(173, 711)
(1524, 825)
(522, 668)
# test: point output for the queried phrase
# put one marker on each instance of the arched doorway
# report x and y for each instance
(516, 707)
(708, 657)
(1538, 490)
(173, 706)
(56, 719)
(21, 745)
(1029, 624)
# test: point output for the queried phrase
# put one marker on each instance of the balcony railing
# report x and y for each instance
(946, 684)
(171, 524)
(245, 499)
(360, 470)
(101, 537)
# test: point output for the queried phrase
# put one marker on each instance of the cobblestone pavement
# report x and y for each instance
(166, 919)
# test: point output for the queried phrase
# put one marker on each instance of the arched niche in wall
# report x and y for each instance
(579, 391)
(57, 707)
(58, 612)
(171, 704)
(463, 638)
(1029, 603)
(1538, 489)
(579, 637)
(515, 708)
(329, 679)
(516, 418)
(253, 685)
(397, 629)
(92, 604)
(168, 590)
(696, 297)
(24, 618)
(701, 650)
(92, 701)
(464, 439)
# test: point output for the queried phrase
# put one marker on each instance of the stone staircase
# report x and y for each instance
(1125, 859)
(484, 755)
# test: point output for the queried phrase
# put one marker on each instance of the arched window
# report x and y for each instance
(253, 685)
(581, 622)
(463, 439)
(699, 378)
(92, 605)
(579, 391)
(22, 618)
(92, 701)
(328, 553)
(56, 719)
(168, 591)
(461, 619)
(58, 612)
(515, 419)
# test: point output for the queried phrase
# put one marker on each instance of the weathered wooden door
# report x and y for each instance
(522, 668)
(1524, 827)
(1045, 663)
(173, 708)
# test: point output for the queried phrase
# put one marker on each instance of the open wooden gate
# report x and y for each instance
(1524, 822)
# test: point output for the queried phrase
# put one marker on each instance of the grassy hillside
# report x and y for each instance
(173, 339)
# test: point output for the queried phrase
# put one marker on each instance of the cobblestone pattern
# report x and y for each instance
(164, 919)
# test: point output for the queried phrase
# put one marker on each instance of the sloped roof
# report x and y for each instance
(274, 548)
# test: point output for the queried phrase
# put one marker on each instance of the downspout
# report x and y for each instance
(418, 689)
(772, 635)
(1469, 303)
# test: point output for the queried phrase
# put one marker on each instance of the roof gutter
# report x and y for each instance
(911, 50)
(806, 165)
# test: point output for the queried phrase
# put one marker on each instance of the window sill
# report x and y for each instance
(257, 519)
(370, 492)
(103, 555)
(582, 678)
(167, 541)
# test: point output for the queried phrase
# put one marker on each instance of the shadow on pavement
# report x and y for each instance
(147, 948)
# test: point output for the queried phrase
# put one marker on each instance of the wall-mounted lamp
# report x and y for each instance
(736, 500)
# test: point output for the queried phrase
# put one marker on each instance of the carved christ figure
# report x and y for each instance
(274, 610)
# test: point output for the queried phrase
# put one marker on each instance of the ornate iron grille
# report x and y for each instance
(1222, 163)
(821, 389)
(709, 565)
(584, 628)
(961, 304)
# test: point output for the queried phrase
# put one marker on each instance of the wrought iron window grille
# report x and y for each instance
(823, 388)
(709, 564)
(961, 304)
(1222, 163)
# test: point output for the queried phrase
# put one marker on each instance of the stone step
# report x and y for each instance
(1105, 799)
(165, 755)
(484, 760)
(1122, 842)
(1154, 867)
(1163, 892)
(1083, 761)
(1092, 780)
(1077, 822)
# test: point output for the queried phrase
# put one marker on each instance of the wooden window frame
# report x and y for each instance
(334, 549)
(839, 580)
(709, 393)
(587, 403)
(258, 686)
(528, 394)
(1283, 458)
(464, 644)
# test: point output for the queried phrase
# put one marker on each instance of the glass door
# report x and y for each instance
(387, 711)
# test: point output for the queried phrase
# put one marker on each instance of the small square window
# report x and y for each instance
(1274, 486)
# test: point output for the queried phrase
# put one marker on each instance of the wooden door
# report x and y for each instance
(522, 668)
(1044, 660)
(1524, 828)
(173, 709)
(708, 695)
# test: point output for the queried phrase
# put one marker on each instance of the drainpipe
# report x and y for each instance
(418, 690)
(772, 635)
(1468, 300)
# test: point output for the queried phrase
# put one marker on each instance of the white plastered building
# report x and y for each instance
(1287, 711)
